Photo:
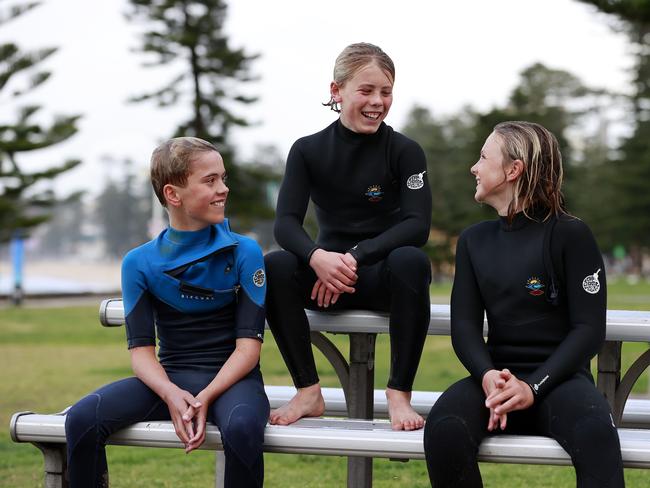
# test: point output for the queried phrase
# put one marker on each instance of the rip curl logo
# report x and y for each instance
(535, 286)
(374, 193)
(259, 277)
(591, 284)
(416, 181)
(537, 385)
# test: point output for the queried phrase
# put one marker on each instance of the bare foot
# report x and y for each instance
(401, 413)
(308, 402)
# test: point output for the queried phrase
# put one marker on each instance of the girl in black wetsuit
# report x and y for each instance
(373, 206)
(533, 374)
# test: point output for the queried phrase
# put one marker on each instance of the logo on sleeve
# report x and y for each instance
(535, 286)
(259, 278)
(591, 284)
(416, 181)
(374, 193)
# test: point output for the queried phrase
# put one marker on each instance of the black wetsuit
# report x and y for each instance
(372, 199)
(500, 270)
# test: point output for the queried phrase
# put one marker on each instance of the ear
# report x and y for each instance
(515, 170)
(335, 92)
(171, 195)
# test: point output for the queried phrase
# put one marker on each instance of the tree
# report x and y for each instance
(123, 211)
(21, 207)
(188, 36)
(631, 168)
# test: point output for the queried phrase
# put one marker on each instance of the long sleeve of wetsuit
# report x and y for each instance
(415, 210)
(586, 298)
(467, 309)
(293, 199)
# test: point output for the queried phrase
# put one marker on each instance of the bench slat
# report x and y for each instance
(340, 438)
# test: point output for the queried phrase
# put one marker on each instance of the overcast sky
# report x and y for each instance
(447, 54)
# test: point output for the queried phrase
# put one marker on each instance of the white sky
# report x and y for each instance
(447, 54)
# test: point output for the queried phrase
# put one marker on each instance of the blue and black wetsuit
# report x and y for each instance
(500, 270)
(372, 199)
(197, 292)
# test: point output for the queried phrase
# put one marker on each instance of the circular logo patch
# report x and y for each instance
(591, 284)
(259, 277)
(415, 182)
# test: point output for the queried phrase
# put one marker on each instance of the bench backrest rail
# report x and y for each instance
(622, 325)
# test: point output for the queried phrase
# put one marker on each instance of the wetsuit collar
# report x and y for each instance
(355, 137)
(219, 235)
(520, 220)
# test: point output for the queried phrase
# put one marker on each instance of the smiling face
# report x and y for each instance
(202, 201)
(492, 182)
(365, 99)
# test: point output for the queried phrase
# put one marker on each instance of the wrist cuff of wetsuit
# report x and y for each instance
(532, 388)
(316, 248)
(354, 253)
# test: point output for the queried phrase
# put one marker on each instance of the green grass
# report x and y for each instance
(50, 357)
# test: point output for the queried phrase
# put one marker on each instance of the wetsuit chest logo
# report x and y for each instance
(535, 286)
(374, 193)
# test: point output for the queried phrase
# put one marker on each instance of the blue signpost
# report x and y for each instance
(17, 259)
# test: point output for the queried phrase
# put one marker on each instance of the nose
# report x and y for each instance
(222, 188)
(473, 169)
(375, 98)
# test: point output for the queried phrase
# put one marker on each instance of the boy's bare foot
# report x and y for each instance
(308, 402)
(401, 413)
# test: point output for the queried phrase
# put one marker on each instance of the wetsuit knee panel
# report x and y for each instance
(244, 431)
(409, 264)
(280, 265)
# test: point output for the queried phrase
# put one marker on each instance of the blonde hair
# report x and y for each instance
(539, 187)
(352, 59)
(170, 162)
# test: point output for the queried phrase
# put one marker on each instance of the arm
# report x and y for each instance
(467, 309)
(575, 247)
(293, 199)
(141, 339)
(415, 210)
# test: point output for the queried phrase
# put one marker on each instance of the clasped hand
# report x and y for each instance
(337, 274)
(504, 393)
(189, 416)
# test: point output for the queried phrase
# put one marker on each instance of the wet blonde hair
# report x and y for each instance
(170, 162)
(352, 59)
(539, 187)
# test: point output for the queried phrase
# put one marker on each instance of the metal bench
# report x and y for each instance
(330, 437)
(363, 440)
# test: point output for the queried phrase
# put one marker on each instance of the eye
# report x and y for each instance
(224, 178)
(365, 91)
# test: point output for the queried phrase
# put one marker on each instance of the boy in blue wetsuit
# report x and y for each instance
(200, 287)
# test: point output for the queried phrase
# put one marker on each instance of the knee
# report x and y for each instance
(82, 419)
(280, 266)
(409, 264)
(595, 434)
(244, 432)
(447, 435)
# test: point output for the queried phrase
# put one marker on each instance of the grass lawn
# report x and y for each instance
(50, 357)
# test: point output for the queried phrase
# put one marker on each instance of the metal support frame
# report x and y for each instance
(358, 382)
(56, 465)
(625, 386)
(609, 373)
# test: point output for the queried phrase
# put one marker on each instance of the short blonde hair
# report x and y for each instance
(540, 185)
(170, 162)
(352, 59)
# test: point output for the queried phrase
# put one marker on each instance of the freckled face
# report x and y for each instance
(491, 186)
(365, 99)
(203, 198)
